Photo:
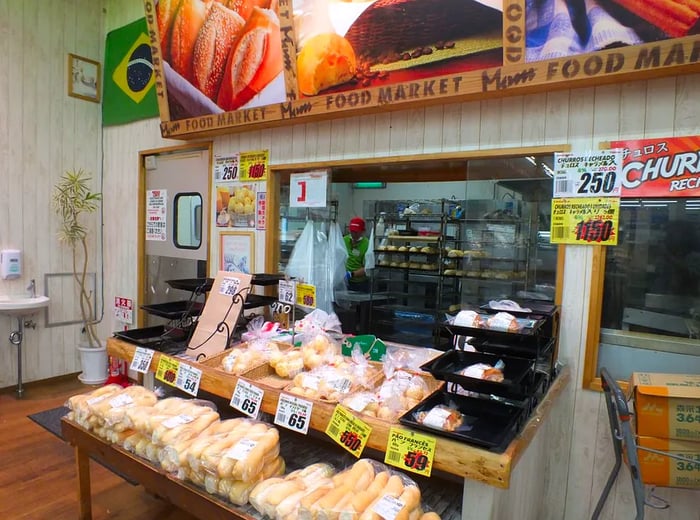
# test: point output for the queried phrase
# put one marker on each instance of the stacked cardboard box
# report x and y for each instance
(667, 416)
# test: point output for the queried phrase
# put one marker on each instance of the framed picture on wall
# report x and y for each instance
(84, 78)
(236, 250)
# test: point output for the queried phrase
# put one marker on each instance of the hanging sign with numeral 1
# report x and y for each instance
(596, 174)
(410, 451)
(247, 398)
(308, 190)
(226, 168)
(293, 413)
(142, 360)
(585, 221)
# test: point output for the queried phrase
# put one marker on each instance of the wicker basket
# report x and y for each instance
(374, 379)
(265, 375)
(216, 360)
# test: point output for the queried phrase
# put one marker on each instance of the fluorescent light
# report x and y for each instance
(368, 185)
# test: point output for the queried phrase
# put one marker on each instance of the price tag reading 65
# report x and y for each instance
(293, 413)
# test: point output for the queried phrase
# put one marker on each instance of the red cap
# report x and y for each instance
(356, 225)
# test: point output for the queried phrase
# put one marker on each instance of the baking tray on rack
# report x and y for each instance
(530, 348)
(175, 310)
(486, 423)
(154, 337)
(529, 327)
(537, 308)
(256, 300)
(267, 279)
(517, 372)
(192, 284)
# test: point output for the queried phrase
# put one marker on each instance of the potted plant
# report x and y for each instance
(72, 200)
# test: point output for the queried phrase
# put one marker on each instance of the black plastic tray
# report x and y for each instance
(267, 279)
(530, 348)
(531, 328)
(537, 308)
(192, 284)
(174, 310)
(256, 300)
(154, 337)
(517, 373)
(487, 423)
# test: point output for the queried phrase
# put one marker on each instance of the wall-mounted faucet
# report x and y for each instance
(31, 288)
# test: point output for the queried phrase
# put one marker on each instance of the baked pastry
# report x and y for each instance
(403, 249)
(326, 60)
(165, 16)
(219, 31)
(441, 417)
(254, 61)
(188, 21)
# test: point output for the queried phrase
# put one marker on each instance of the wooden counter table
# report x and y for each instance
(453, 457)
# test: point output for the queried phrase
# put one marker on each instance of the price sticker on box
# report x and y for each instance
(188, 378)
(141, 361)
(410, 451)
(348, 431)
(287, 291)
(247, 398)
(167, 370)
(306, 295)
(293, 413)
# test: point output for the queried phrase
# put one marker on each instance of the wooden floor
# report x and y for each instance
(37, 472)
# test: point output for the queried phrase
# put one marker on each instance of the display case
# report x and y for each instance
(435, 257)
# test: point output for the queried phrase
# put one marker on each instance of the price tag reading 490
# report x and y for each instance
(247, 398)
(293, 413)
(348, 431)
(410, 451)
(167, 370)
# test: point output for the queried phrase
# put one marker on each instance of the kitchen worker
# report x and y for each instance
(356, 244)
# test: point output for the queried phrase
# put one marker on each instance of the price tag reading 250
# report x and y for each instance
(293, 413)
(410, 451)
(348, 431)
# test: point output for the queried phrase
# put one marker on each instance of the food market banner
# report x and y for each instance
(660, 167)
(228, 65)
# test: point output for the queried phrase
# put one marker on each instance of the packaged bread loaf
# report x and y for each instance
(79, 405)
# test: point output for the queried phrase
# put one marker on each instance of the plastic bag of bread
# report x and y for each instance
(399, 393)
(238, 491)
(287, 364)
(183, 426)
(503, 321)
(113, 410)
(259, 347)
(319, 349)
(281, 497)
(441, 417)
(485, 371)
(366, 402)
(79, 405)
(468, 319)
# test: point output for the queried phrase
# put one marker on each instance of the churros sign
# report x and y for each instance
(660, 167)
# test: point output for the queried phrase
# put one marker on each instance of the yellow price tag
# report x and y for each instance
(586, 221)
(306, 295)
(410, 451)
(348, 431)
(167, 370)
(254, 165)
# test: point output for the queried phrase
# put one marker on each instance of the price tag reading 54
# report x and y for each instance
(293, 413)
(348, 431)
(410, 451)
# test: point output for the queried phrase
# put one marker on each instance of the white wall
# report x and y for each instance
(42, 132)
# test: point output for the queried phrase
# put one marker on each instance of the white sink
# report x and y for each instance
(16, 305)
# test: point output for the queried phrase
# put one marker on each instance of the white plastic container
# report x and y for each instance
(10, 264)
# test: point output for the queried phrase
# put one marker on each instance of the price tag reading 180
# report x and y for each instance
(348, 431)
(306, 295)
(293, 413)
(188, 378)
(410, 451)
(247, 398)
(142, 360)
(167, 370)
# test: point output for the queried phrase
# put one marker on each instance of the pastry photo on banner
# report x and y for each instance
(352, 44)
(220, 55)
(560, 28)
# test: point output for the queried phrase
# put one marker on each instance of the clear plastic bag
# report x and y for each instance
(507, 305)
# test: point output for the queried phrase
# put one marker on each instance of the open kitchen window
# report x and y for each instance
(645, 311)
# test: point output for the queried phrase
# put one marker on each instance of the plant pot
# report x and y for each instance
(94, 364)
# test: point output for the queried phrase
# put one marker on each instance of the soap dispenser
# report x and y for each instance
(10, 264)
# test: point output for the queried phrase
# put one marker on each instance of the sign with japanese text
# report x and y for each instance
(660, 167)
(348, 431)
(585, 221)
(254, 165)
(308, 190)
(306, 295)
(260, 210)
(587, 174)
(124, 309)
(157, 215)
(225, 168)
(410, 451)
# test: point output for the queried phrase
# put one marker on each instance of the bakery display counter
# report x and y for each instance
(451, 456)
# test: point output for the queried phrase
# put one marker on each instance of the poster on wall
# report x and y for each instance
(236, 250)
(260, 211)
(235, 204)
(156, 215)
(660, 167)
(219, 56)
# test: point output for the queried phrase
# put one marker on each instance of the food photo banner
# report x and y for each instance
(224, 66)
(660, 167)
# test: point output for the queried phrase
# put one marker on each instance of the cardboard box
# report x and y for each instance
(660, 470)
(667, 405)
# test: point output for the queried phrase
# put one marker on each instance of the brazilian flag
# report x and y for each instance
(129, 80)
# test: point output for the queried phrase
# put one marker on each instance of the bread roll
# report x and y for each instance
(165, 15)
(219, 31)
(326, 60)
(188, 21)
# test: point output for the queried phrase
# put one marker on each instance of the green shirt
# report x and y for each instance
(356, 256)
